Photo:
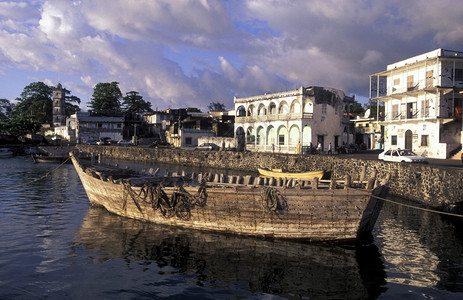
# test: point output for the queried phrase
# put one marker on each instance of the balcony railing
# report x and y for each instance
(275, 117)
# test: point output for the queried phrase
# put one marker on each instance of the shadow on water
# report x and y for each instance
(283, 268)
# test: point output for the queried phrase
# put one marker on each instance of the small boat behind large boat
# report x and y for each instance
(246, 205)
(40, 158)
(6, 153)
(279, 173)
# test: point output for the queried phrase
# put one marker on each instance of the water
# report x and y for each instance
(53, 245)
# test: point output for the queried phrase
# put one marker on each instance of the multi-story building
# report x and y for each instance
(281, 122)
(423, 99)
(90, 127)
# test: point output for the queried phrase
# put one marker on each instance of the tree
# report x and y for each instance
(5, 108)
(133, 102)
(357, 109)
(70, 99)
(106, 96)
(216, 106)
(35, 103)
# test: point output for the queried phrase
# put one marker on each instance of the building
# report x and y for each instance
(280, 121)
(59, 106)
(423, 103)
(90, 127)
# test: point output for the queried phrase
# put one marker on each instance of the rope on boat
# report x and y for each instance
(417, 207)
(178, 204)
(37, 179)
(272, 199)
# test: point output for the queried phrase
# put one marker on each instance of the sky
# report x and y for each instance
(189, 53)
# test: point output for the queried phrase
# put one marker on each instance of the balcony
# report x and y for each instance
(275, 117)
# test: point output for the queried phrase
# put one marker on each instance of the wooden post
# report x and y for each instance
(348, 182)
(315, 183)
(363, 173)
(333, 184)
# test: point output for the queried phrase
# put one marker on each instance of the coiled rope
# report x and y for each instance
(272, 199)
(179, 204)
(37, 179)
(417, 207)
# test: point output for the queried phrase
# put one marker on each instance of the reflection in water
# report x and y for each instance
(282, 268)
(421, 249)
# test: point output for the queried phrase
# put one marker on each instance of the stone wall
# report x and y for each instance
(436, 187)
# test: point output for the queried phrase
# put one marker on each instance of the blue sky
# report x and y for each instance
(188, 53)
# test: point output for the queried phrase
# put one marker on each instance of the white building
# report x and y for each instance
(423, 102)
(87, 127)
(278, 121)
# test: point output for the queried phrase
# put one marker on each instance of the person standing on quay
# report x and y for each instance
(330, 149)
(298, 147)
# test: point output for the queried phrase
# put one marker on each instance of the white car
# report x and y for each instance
(125, 143)
(401, 155)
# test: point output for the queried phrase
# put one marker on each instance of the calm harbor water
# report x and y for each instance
(54, 245)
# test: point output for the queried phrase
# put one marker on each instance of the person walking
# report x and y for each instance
(330, 149)
(319, 148)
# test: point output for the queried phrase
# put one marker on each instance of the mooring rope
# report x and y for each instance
(37, 179)
(419, 208)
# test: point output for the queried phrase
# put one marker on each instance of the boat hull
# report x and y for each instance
(301, 213)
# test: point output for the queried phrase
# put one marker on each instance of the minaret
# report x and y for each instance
(59, 107)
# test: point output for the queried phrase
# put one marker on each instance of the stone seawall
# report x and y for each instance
(433, 186)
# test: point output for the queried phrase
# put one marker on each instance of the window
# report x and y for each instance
(429, 78)
(424, 108)
(410, 84)
(188, 141)
(424, 140)
(99, 125)
(394, 140)
(281, 139)
(458, 74)
(395, 111)
(397, 81)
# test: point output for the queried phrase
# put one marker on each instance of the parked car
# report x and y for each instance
(105, 141)
(208, 146)
(401, 155)
(125, 143)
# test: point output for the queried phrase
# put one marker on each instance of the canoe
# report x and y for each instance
(6, 153)
(49, 159)
(279, 173)
(244, 205)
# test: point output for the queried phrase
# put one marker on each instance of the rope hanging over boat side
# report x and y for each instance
(179, 204)
(272, 199)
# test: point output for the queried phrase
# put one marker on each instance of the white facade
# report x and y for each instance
(423, 102)
(279, 121)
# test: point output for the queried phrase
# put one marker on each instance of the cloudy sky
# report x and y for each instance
(189, 53)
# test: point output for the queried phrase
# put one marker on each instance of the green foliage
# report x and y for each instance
(193, 109)
(106, 97)
(70, 99)
(5, 108)
(216, 106)
(133, 103)
(19, 126)
(373, 105)
(35, 103)
(357, 109)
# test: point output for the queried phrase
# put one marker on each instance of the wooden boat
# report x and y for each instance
(288, 209)
(6, 153)
(279, 173)
(39, 158)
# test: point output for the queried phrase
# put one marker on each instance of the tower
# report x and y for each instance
(59, 107)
